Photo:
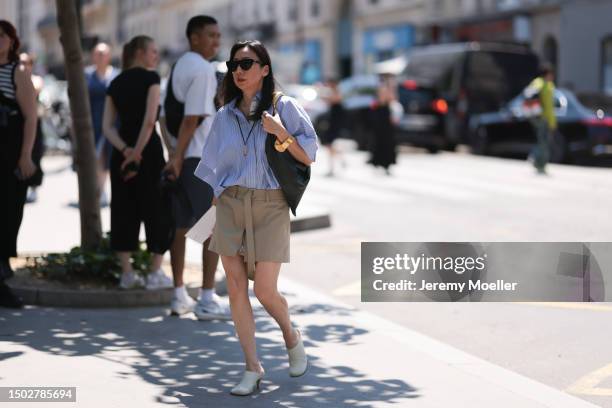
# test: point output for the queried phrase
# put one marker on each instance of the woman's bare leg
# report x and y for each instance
(266, 278)
(242, 313)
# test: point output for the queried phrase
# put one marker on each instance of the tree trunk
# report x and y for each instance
(89, 203)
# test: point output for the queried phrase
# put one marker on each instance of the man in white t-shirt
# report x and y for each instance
(187, 116)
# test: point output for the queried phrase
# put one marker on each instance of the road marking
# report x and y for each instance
(587, 385)
(342, 190)
(413, 187)
(351, 289)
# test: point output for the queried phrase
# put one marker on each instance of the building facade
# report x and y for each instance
(338, 38)
(385, 29)
(585, 54)
(311, 40)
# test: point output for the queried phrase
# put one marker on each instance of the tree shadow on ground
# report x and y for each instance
(197, 363)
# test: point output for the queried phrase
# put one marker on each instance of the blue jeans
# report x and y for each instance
(541, 151)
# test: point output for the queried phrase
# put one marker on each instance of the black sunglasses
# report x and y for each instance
(245, 64)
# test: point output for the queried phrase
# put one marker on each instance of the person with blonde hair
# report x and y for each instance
(137, 161)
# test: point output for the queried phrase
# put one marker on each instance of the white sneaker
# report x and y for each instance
(215, 309)
(32, 195)
(131, 280)
(104, 200)
(158, 280)
(181, 306)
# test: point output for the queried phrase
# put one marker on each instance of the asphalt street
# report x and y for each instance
(460, 197)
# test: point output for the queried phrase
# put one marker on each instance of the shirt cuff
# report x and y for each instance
(309, 145)
(218, 190)
(205, 174)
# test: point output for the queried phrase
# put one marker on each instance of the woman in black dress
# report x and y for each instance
(17, 134)
(136, 161)
(336, 122)
(384, 145)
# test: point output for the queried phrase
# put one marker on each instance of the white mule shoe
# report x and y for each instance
(298, 362)
(249, 383)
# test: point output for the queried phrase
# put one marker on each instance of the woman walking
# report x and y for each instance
(18, 129)
(136, 162)
(252, 230)
(383, 151)
(336, 123)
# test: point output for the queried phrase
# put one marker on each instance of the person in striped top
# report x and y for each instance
(17, 132)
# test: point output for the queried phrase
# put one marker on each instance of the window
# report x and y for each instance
(606, 65)
(550, 51)
(293, 10)
(315, 8)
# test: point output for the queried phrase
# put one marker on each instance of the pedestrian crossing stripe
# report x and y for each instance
(587, 385)
(414, 176)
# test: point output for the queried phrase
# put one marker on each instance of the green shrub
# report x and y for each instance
(99, 266)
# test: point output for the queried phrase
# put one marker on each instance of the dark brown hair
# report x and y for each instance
(230, 91)
(140, 42)
(11, 32)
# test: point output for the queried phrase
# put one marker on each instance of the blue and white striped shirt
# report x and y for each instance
(223, 163)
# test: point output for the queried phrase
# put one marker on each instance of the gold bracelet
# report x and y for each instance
(281, 147)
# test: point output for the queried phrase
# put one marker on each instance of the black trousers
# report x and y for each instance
(136, 201)
(12, 190)
(13, 196)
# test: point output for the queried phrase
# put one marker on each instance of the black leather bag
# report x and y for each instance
(292, 175)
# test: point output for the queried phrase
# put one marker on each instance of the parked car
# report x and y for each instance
(444, 85)
(508, 131)
(309, 98)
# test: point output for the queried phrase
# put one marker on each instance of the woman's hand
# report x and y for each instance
(131, 156)
(127, 151)
(174, 166)
(26, 167)
(272, 124)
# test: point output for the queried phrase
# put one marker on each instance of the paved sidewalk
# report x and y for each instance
(143, 357)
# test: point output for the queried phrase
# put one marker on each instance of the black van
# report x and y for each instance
(443, 85)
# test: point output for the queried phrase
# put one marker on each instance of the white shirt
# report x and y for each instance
(194, 83)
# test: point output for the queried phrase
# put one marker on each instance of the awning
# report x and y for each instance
(393, 66)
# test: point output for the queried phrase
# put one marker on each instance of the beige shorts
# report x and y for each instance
(254, 223)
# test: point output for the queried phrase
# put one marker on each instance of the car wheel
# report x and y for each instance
(480, 141)
(432, 149)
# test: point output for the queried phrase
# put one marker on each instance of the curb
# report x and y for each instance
(301, 224)
(82, 298)
(96, 298)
